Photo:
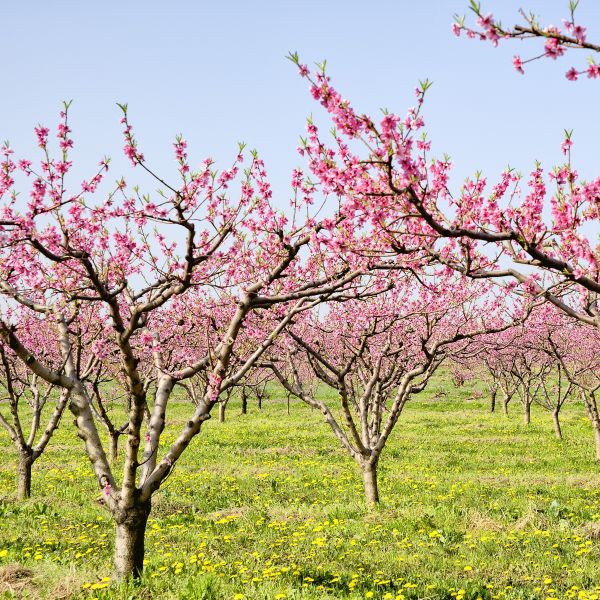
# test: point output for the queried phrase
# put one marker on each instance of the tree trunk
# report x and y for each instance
(369, 472)
(129, 542)
(222, 412)
(259, 402)
(505, 402)
(556, 421)
(596, 425)
(244, 403)
(24, 476)
(527, 413)
(493, 400)
(592, 410)
(113, 446)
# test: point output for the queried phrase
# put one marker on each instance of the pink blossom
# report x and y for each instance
(486, 22)
(62, 167)
(131, 153)
(518, 64)
(25, 165)
(296, 178)
(42, 135)
(593, 71)
(572, 74)
(579, 33)
(180, 147)
(553, 48)
(63, 130)
(566, 145)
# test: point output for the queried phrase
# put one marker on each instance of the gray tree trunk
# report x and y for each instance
(369, 472)
(244, 403)
(113, 447)
(596, 425)
(527, 413)
(493, 401)
(24, 476)
(556, 422)
(592, 410)
(222, 412)
(129, 542)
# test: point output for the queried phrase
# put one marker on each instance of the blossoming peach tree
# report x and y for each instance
(26, 395)
(142, 267)
(377, 353)
(519, 234)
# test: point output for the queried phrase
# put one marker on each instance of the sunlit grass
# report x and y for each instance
(268, 505)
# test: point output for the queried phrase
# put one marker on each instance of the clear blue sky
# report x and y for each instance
(216, 72)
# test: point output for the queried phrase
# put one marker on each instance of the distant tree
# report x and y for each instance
(578, 356)
(379, 352)
(27, 398)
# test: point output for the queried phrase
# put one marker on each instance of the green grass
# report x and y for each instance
(269, 506)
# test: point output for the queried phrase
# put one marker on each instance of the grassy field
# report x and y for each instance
(269, 506)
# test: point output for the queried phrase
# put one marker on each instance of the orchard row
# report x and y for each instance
(375, 275)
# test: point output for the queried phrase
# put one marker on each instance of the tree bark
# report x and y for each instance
(591, 407)
(24, 476)
(222, 412)
(527, 413)
(129, 541)
(596, 425)
(493, 401)
(244, 402)
(259, 402)
(505, 402)
(113, 447)
(556, 422)
(369, 472)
